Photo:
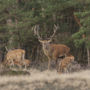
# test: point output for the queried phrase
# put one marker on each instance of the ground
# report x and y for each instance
(46, 80)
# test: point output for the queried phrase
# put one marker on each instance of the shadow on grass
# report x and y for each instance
(13, 72)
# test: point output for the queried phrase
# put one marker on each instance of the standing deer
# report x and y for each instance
(14, 55)
(52, 51)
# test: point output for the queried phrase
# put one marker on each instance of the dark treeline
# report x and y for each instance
(18, 17)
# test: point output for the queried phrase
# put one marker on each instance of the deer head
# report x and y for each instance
(48, 40)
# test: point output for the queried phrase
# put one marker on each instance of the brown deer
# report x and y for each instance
(14, 55)
(26, 63)
(65, 63)
(52, 51)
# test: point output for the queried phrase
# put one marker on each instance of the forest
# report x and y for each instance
(18, 17)
(35, 33)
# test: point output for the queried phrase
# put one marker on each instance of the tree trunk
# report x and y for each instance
(88, 56)
(10, 24)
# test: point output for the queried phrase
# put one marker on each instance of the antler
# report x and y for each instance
(6, 48)
(55, 29)
(36, 28)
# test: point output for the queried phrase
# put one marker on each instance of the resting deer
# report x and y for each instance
(14, 55)
(65, 63)
(52, 51)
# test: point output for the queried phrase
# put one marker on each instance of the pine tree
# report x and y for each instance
(83, 36)
(18, 17)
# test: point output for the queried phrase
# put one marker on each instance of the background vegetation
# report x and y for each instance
(18, 17)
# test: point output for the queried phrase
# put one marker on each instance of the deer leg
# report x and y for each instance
(19, 64)
(24, 64)
(58, 64)
(11, 64)
(49, 61)
(20, 67)
(56, 61)
(23, 57)
(58, 69)
(69, 67)
(66, 70)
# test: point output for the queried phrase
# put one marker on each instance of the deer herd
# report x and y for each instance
(16, 57)
(60, 53)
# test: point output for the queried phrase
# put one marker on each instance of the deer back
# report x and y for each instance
(58, 50)
(16, 54)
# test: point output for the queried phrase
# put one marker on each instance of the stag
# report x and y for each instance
(52, 51)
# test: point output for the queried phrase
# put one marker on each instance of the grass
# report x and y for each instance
(13, 72)
(46, 80)
(38, 77)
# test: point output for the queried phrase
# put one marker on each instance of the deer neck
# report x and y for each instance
(46, 48)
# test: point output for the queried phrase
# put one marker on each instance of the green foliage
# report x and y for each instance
(9, 72)
(24, 14)
(85, 22)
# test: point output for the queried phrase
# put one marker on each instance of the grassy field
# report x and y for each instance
(46, 80)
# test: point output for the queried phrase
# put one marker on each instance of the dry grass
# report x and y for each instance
(46, 80)
(39, 78)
